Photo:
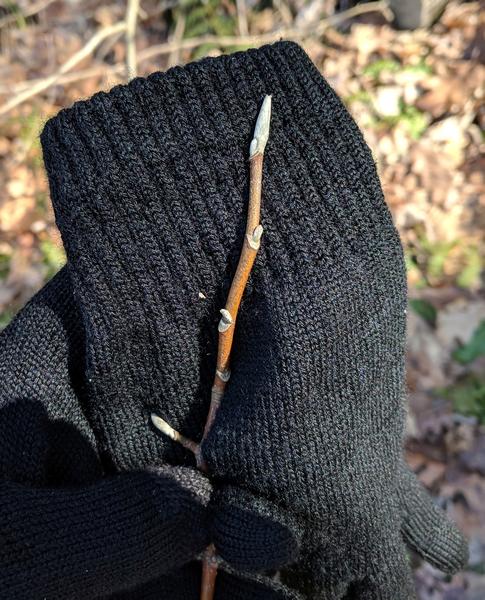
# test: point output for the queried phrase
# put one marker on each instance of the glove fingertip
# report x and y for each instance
(443, 546)
(428, 530)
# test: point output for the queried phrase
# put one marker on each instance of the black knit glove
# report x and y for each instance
(148, 272)
(149, 185)
(65, 530)
(309, 434)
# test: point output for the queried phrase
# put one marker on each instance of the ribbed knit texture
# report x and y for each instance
(149, 184)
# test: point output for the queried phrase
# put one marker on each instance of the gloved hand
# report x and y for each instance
(149, 185)
(309, 433)
(148, 274)
(65, 530)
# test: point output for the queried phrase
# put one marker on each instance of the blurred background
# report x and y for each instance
(411, 72)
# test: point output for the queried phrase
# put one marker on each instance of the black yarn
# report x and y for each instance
(149, 184)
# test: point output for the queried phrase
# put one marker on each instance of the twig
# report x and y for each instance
(252, 240)
(35, 86)
(285, 13)
(381, 6)
(313, 29)
(106, 47)
(173, 434)
(209, 574)
(178, 35)
(251, 244)
(132, 8)
(43, 84)
(106, 70)
(242, 17)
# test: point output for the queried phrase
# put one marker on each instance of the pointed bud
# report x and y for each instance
(261, 130)
(164, 427)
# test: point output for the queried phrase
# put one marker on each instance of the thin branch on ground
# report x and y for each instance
(44, 84)
(178, 34)
(33, 87)
(381, 6)
(282, 8)
(315, 29)
(132, 8)
(242, 17)
(227, 323)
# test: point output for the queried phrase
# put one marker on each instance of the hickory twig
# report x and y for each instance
(252, 239)
(209, 573)
(227, 323)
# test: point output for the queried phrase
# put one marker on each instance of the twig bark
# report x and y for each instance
(209, 574)
(252, 240)
(227, 323)
(178, 35)
(132, 8)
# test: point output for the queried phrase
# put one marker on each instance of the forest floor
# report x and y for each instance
(419, 98)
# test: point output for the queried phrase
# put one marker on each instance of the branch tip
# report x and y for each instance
(173, 434)
(261, 130)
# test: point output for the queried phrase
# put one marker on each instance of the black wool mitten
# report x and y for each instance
(149, 183)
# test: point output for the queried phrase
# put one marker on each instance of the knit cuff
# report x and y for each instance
(175, 142)
(171, 151)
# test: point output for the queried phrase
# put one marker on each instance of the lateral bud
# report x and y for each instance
(226, 320)
(254, 240)
(164, 427)
(224, 375)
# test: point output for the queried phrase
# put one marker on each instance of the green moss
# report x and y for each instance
(376, 68)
